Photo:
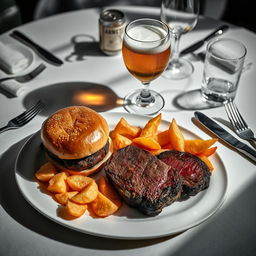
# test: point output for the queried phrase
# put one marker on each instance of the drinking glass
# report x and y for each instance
(146, 52)
(223, 65)
(181, 16)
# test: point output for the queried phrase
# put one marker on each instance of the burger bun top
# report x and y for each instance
(74, 132)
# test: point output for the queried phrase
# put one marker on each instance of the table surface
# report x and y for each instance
(24, 231)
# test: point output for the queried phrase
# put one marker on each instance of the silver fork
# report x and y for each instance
(240, 126)
(23, 118)
(26, 77)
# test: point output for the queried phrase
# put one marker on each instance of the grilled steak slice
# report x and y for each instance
(194, 173)
(143, 180)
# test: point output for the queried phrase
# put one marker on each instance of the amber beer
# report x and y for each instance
(149, 62)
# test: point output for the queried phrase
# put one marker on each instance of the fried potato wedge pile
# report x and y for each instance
(77, 193)
(151, 139)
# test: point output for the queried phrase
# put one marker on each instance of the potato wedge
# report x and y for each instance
(207, 161)
(157, 151)
(46, 172)
(102, 206)
(124, 128)
(63, 198)
(168, 147)
(209, 151)
(107, 190)
(57, 184)
(163, 138)
(147, 143)
(87, 194)
(176, 136)
(198, 146)
(150, 129)
(78, 182)
(75, 210)
(120, 141)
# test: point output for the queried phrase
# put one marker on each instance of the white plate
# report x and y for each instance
(128, 223)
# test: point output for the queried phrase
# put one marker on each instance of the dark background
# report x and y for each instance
(237, 12)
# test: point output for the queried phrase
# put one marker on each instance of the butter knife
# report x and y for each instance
(219, 31)
(48, 56)
(215, 128)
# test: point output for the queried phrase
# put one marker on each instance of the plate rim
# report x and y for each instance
(126, 237)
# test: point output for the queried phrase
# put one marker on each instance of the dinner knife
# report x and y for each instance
(219, 31)
(215, 128)
(48, 56)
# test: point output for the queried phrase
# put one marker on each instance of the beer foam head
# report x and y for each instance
(147, 39)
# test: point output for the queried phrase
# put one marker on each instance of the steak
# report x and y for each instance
(143, 180)
(195, 174)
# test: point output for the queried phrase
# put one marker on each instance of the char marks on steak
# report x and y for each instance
(143, 180)
(194, 173)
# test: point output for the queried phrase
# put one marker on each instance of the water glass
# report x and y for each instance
(222, 70)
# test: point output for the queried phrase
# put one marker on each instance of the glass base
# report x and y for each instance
(180, 70)
(133, 104)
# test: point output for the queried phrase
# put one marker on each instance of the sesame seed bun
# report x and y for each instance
(74, 132)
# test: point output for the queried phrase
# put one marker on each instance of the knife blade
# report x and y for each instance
(221, 133)
(197, 45)
(45, 54)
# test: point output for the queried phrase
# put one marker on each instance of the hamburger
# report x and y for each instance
(76, 139)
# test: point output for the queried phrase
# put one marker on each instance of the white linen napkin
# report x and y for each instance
(11, 60)
(13, 87)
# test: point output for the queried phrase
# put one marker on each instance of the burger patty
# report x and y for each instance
(81, 163)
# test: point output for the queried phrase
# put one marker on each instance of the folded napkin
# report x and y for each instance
(11, 60)
(13, 87)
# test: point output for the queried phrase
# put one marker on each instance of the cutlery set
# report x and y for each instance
(28, 115)
(43, 53)
(27, 77)
(240, 127)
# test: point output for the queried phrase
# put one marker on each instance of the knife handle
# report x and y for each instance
(44, 53)
(24, 38)
(250, 153)
(216, 32)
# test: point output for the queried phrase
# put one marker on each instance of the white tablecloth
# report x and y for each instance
(24, 231)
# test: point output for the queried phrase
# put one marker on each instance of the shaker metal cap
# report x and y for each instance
(112, 16)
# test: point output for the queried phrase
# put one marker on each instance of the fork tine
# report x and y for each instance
(26, 120)
(31, 113)
(31, 74)
(242, 123)
(237, 123)
(230, 114)
(28, 111)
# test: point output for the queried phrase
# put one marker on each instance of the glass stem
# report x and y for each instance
(175, 50)
(145, 97)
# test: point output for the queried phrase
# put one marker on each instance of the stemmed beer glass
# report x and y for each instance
(181, 16)
(146, 52)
